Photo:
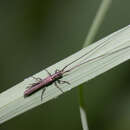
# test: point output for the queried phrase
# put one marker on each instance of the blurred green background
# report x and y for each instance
(35, 34)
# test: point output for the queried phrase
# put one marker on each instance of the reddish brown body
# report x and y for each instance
(43, 83)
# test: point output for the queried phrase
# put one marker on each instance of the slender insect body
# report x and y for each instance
(43, 83)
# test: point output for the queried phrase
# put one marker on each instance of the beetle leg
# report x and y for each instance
(31, 85)
(37, 79)
(43, 90)
(63, 82)
(58, 87)
(48, 72)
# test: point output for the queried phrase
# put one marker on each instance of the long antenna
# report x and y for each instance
(101, 56)
(94, 49)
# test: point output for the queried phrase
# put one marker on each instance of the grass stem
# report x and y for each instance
(104, 6)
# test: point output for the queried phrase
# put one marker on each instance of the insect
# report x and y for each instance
(58, 75)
